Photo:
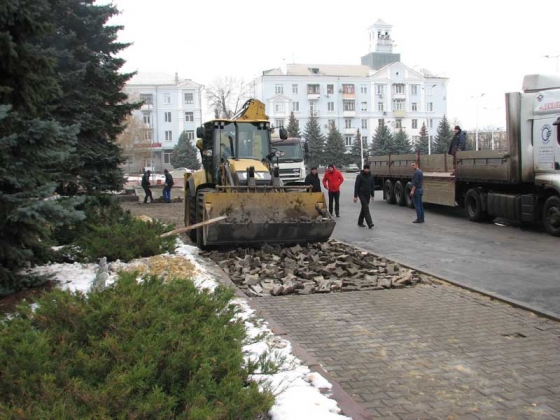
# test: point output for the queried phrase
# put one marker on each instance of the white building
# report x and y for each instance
(171, 106)
(381, 90)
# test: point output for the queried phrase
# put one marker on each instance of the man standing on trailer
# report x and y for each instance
(417, 191)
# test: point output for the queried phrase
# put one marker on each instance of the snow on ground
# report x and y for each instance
(300, 393)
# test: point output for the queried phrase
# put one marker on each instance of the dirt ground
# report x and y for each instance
(164, 212)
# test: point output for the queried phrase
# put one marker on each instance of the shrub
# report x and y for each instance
(134, 350)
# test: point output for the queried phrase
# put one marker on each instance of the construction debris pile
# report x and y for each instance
(317, 268)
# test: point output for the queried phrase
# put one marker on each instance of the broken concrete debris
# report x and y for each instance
(316, 268)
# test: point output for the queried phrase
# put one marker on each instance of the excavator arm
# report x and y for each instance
(253, 109)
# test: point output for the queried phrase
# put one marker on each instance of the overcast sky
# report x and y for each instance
(483, 46)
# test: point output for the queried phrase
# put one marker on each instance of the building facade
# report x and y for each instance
(382, 90)
(170, 107)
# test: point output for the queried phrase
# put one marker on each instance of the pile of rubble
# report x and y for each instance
(317, 268)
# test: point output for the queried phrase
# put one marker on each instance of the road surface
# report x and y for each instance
(520, 263)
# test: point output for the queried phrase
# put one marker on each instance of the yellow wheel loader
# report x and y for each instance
(238, 181)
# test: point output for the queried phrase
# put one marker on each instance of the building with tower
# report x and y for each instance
(380, 90)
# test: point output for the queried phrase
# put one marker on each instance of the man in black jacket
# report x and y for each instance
(458, 142)
(364, 189)
(313, 180)
(146, 185)
(168, 184)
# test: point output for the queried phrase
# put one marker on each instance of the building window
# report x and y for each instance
(330, 89)
(347, 123)
(189, 98)
(278, 123)
(166, 98)
(430, 106)
(147, 98)
(364, 123)
(414, 123)
(167, 116)
(147, 118)
(364, 106)
(330, 106)
(415, 139)
(295, 89)
(189, 116)
(190, 134)
(295, 106)
(379, 90)
(381, 122)
(348, 89)
(363, 88)
(169, 135)
(313, 89)
(431, 123)
(398, 105)
(279, 108)
(148, 136)
(349, 106)
(167, 158)
(312, 108)
(398, 123)
(414, 89)
(279, 89)
(348, 140)
(398, 88)
(380, 106)
(414, 106)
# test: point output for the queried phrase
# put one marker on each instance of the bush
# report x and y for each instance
(134, 350)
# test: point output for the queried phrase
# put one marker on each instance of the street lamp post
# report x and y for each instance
(477, 97)
(554, 56)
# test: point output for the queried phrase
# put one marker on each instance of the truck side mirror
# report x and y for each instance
(200, 132)
(283, 133)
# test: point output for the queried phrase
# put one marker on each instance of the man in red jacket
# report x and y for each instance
(331, 181)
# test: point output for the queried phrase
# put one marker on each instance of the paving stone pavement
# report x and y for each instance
(429, 352)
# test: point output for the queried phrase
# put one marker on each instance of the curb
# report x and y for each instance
(494, 296)
(346, 403)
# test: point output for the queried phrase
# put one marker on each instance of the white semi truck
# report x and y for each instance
(521, 183)
(289, 159)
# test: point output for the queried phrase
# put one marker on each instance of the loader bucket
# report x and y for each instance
(258, 218)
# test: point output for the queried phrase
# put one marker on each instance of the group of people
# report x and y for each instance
(364, 191)
(166, 189)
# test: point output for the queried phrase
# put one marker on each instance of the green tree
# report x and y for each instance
(88, 72)
(356, 151)
(443, 137)
(381, 142)
(185, 154)
(315, 141)
(422, 143)
(335, 149)
(33, 146)
(293, 126)
(401, 143)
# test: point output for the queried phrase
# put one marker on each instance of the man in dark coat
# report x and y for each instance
(313, 180)
(364, 189)
(459, 141)
(146, 185)
(168, 184)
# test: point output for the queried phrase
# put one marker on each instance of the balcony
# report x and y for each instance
(399, 113)
(313, 96)
(348, 131)
(401, 96)
(348, 96)
(349, 114)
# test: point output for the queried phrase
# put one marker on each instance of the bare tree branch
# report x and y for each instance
(226, 95)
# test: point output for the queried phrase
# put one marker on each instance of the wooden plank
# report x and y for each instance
(195, 226)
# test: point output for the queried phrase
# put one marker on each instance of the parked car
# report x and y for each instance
(352, 168)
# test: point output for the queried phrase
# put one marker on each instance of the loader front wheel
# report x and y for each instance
(191, 214)
(200, 216)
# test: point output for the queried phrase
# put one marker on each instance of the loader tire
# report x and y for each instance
(200, 216)
(399, 194)
(191, 214)
(389, 189)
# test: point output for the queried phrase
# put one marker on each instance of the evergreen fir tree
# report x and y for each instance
(293, 126)
(422, 144)
(33, 146)
(401, 143)
(88, 69)
(315, 141)
(443, 137)
(185, 154)
(335, 149)
(355, 151)
(381, 142)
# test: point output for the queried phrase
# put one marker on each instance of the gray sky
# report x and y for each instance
(483, 46)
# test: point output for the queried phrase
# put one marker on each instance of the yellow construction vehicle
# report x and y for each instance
(238, 181)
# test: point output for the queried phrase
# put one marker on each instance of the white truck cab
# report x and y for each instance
(289, 159)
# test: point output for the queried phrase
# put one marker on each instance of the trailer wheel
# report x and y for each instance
(399, 194)
(473, 204)
(389, 192)
(551, 215)
(408, 199)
